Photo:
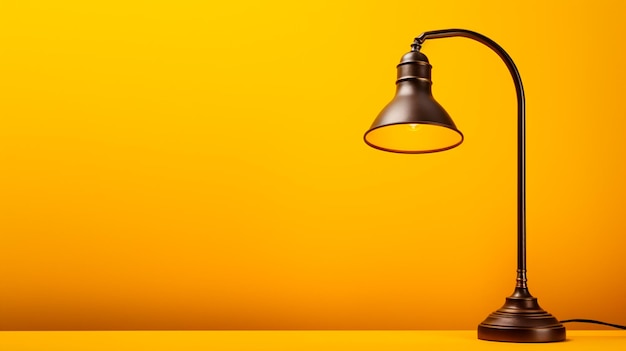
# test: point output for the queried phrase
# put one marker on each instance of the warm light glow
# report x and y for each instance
(414, 138)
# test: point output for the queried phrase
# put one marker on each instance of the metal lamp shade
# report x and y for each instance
(413, 122)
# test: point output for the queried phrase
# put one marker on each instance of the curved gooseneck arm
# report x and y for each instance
(521, 134)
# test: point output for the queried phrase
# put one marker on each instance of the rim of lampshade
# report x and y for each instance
(414, 152)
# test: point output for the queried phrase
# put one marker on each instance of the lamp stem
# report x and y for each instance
(521, 133)
(521, 319)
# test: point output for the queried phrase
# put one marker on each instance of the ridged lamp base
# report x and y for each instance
(521, 320)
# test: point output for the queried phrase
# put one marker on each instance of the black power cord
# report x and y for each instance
(593, 321)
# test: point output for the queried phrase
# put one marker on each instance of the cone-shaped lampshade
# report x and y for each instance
(413, 122)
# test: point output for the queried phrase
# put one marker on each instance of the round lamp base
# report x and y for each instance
(521, 320)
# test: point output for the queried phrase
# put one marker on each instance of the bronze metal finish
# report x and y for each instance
(413, 104)
(521, 320)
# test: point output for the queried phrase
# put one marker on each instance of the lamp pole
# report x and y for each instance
(521, 133)
(520, 319)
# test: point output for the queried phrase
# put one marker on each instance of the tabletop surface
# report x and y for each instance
(292, 340)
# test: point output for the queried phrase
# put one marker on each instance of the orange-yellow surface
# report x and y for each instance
(293, 340)
(200, 164)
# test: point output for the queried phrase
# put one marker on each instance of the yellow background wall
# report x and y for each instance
(200, 165)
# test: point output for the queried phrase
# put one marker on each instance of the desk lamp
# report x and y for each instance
(413, 122)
